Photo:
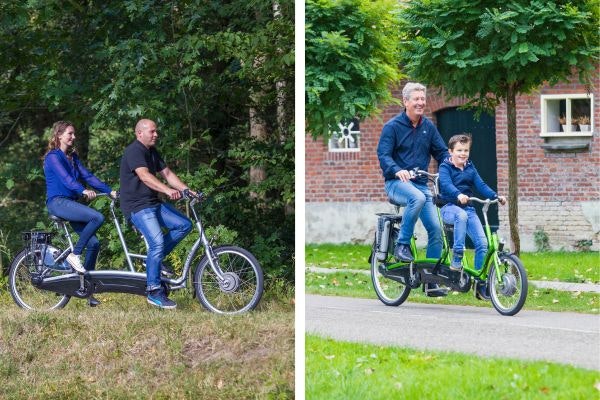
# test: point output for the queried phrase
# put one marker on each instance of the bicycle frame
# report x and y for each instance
(132, 281)
(491, 257)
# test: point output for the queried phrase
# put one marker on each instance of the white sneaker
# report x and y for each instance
(75, 261)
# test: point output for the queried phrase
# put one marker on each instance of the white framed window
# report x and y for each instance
(346, 138)
(567, 115)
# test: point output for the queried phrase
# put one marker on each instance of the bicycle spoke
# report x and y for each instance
(240, 288)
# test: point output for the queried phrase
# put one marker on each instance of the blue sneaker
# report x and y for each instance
(159, 299)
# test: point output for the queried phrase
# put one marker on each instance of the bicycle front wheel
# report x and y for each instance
(508, 285)
(28, 264)
(389, 291)
(240, 289)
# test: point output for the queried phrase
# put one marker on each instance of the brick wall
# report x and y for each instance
(553, 186)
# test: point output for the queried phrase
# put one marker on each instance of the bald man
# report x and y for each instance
(141, 205)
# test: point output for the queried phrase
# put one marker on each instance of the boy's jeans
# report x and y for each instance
(419, 204)
(149, 221)
(466, 221)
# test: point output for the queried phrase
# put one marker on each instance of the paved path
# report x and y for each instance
(568, 338)
(565, 286)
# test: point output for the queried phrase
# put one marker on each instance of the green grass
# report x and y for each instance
(560, 266)
(341, 370)
(124, 349)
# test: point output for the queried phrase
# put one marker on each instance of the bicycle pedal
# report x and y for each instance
(437, 291)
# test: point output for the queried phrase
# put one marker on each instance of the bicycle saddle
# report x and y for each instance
(394, 203)
(56, 219)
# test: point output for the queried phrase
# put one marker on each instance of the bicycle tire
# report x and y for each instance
(243, 288)
(23, 292)
(389, 291)
(508, 296)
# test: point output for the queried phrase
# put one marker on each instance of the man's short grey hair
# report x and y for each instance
(412, 87)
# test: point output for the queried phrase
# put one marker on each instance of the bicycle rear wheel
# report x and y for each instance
(508, 285)
(28, 264)
(241, 288)
(389, 291)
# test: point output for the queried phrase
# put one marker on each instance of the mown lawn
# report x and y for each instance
(554, 266)
(342, 370)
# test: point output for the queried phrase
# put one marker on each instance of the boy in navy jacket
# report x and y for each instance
(458, 177)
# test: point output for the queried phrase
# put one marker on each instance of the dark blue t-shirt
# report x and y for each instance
(135, 195)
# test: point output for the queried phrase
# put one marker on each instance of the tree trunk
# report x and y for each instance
(513, 183)
(280, 87)
(258, 131)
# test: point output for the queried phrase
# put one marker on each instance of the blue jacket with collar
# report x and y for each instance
(63, 176)
(402, 146)
(454, 181)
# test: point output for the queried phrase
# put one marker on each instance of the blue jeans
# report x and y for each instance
(150, 222)
(466, 222)
(419, 204)
(85, 221)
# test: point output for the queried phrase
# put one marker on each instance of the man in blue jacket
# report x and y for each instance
(408, 141)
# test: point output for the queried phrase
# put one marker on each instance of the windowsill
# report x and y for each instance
(343, 150)
(567, 134)
(567, 141)
(565, 147)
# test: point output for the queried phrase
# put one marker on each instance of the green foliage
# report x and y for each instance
(478, 48)
(194, 67)
(541, 240)
(351, 60)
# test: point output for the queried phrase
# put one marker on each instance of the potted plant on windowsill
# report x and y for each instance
(563, 122)
(584, 123)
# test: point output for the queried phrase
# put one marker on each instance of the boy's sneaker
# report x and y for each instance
(159, 299)
(481, 290)
(456, 264)
(75, 261)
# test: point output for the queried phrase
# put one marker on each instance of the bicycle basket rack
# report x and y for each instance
(37, 242)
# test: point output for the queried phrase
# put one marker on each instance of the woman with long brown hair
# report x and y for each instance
(65, 176)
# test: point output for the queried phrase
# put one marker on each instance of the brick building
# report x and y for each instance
(558, 168)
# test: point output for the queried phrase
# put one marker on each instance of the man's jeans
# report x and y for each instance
(466, 222)
(149, 221)
(85, 221)
(419, 204)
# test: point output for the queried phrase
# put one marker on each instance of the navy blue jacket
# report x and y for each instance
(401, 146)
(454, 181)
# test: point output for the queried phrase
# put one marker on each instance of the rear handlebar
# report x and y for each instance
(483, 201)
(417, 173)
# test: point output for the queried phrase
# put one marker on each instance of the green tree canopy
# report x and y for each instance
(351, 60)
(191, 66)
(491, 52)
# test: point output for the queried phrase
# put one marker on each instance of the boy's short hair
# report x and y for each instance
(462, 138)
